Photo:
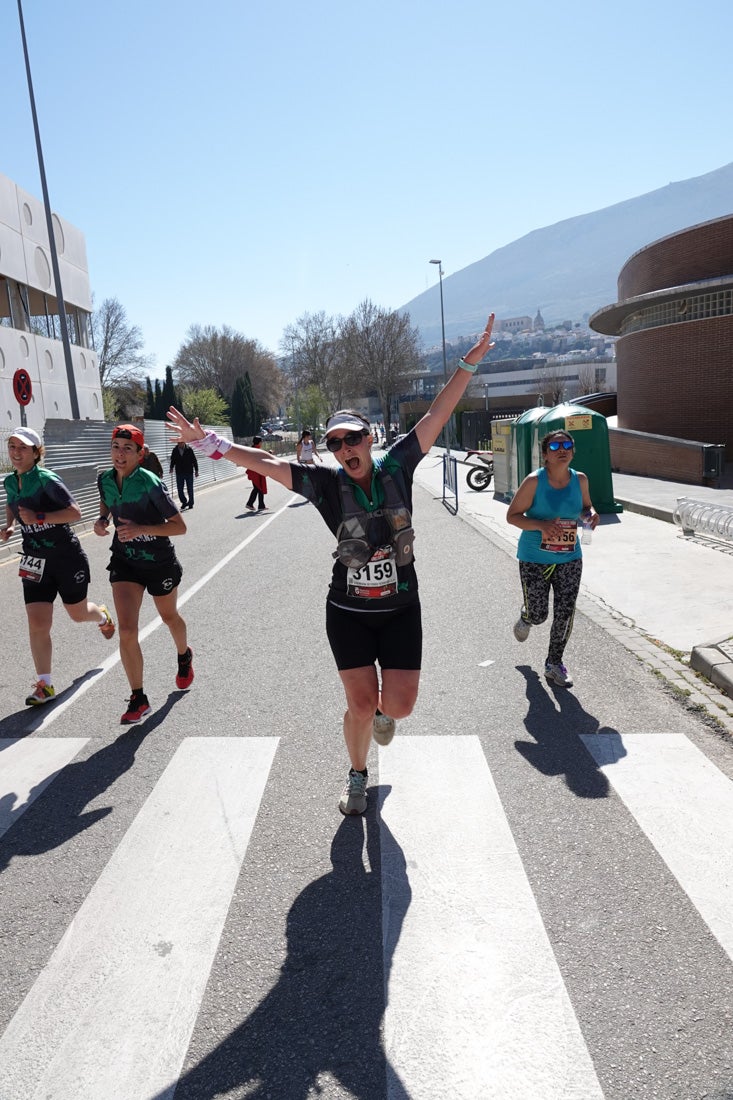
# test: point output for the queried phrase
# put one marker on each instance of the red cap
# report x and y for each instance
(129, 431)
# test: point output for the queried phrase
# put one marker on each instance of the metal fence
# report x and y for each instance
(78, 450)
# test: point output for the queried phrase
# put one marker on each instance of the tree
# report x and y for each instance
(587, 379)
(244, 414)
(214, 359)
(169, 395)
(207, 405)
(149, 400)
(551, 380)
(381, 347)
(316, 350)
(118, 345)
(313, 408)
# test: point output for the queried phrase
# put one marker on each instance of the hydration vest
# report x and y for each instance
(354, 547)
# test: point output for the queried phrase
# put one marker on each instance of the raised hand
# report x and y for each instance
(184, 431)
(482, 346)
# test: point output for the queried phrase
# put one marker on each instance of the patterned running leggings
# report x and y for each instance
(564, 580)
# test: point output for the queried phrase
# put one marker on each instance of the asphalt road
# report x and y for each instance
(535, 905)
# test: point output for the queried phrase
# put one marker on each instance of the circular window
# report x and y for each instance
(27, 214)
(43, 269)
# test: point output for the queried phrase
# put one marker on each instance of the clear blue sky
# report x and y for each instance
(243, 163)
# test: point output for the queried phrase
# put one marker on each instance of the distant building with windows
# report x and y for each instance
(674, 322)
(513, 324)
(30, 335)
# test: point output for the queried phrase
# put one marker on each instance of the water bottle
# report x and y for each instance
(587, 534)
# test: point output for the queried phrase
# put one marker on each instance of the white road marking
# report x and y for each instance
(684, 804)
(183, 598)
(476, 1005)
(112, 1013)
(27, 766)
(485, 664)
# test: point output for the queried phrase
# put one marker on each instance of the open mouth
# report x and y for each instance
(352, 463)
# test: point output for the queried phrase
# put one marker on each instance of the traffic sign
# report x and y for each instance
(22, 387)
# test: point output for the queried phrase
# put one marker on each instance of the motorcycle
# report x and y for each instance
(479, 476)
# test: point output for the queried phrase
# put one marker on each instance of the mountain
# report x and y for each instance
(568, 269)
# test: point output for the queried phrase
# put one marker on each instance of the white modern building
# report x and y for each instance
(30, 336)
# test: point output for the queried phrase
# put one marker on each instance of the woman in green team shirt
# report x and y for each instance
(52, 561)
(143, 559)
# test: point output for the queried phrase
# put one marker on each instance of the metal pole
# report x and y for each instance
(51, 238)
(445, 364)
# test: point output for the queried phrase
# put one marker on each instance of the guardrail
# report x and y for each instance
(704, 518)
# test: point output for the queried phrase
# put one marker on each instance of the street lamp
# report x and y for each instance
(73, 398)
(442, 329)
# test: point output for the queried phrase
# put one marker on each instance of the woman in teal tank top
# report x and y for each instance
(546, 507)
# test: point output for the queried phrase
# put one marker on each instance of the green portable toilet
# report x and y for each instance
(592, 457)
(523, 436)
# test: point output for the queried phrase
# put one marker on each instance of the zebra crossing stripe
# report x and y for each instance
(112, 1013)
(476, 1005)
(684, 805)
(28, 766)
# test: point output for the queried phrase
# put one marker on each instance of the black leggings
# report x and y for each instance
(256, 492)
(564, 580)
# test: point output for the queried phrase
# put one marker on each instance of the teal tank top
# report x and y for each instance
(549, 503)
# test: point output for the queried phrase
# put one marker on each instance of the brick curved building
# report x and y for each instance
(674, 320)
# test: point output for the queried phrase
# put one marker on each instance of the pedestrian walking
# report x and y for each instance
(259, 484)
(143, 559)
(546, 508)
(373, 612)
(184, 463)
(52, 560)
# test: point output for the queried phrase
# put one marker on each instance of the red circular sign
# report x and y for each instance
(22, 387)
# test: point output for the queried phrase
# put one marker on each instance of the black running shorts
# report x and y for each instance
(158, 580)
(359, 638)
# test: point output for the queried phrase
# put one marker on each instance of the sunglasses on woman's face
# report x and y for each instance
(351, 439)
(556, 444)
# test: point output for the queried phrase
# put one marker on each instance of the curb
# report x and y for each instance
(643, 509)
(714, 661)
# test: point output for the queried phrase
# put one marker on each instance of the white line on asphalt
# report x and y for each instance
(476, 1005)
(684, 804)
(485, 664)
(28, 766)
(111, 1015)
(113, 659)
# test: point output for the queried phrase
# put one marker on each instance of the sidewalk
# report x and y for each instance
(666, 597)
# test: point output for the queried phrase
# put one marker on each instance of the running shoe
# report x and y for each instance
(138, 708)
(250, 507)
(558, 674)
(354, 799)
(522, 629)
(184, 677)
(42, 693)
(383, 728)
(108, 626)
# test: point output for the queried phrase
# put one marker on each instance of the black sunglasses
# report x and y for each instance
(351, 439)
(556, 444)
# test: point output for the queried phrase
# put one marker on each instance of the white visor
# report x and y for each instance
(352, 423)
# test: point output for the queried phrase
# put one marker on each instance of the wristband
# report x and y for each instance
(212, 445)
(467, 366)
(40, 517)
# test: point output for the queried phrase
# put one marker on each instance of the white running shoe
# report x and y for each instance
(558, 674)
(383, 728)
(522, 629)
(354, 799)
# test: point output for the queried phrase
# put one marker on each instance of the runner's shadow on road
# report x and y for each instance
(322, 1019)
(556, 749)
(55, 810)
(26, 721)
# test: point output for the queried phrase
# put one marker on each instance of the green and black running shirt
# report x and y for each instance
(142, 499)
(321, 485)
(41, 490)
